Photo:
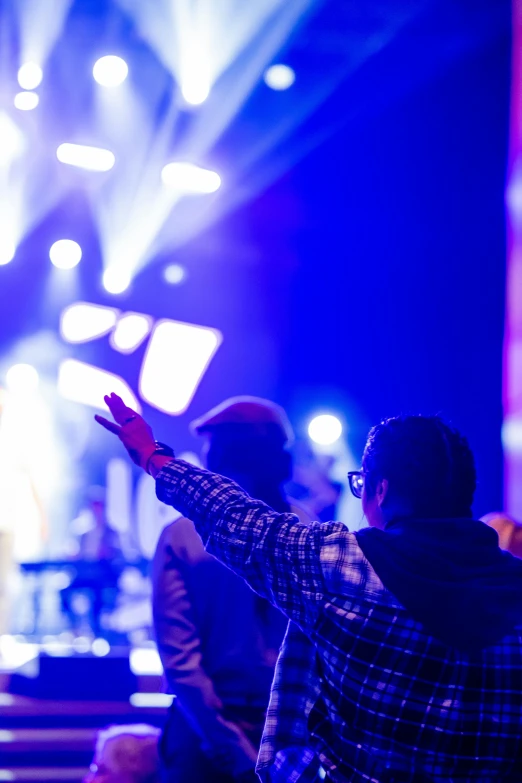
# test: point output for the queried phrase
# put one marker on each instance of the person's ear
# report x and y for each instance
(381, 491)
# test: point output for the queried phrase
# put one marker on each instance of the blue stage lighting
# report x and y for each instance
(90, 158)
(29, 76)
(65, 254)
(325, 429)
(174, 274)
(187, 178)
(279, 77)
(26, 101)
(116, 280)
(110, 71)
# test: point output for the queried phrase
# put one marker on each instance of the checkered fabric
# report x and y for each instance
(395, 705)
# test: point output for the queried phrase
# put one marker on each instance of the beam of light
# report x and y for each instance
(176, 359)
(30, 76)
(12, 140)
(22, 379)
(26, 101)
(110, 71)
(86, 384)
(82, 322)
(325, 429)
(40, 24)
(85, 157)
(130, 332)
(65, 254)
(188, 178)
(279, 77)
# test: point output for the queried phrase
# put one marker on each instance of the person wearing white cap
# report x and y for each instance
(217, 639)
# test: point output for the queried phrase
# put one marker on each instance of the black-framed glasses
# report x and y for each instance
(356, 481)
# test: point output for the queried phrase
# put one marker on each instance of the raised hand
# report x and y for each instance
(131, 429)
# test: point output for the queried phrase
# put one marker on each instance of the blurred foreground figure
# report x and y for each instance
(217, 640)
(509, 531)
(415, 622)
(126, 754)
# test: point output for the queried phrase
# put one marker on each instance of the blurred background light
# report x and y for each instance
(130, 331)
(26, 101)
(11, 140)
(196, 87)
(177, 356)
(22, 378)
(173, 274)
(30, 76)
(116, 279)
(325, 429)
(65, 254)
(88, 385)
(100, 647)
(145, 661)
(81, 322)
(7, 250)
(188, 178)
(85, 157)
(110, 71)
(279, 77)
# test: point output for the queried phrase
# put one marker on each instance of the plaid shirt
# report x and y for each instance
(392, 704)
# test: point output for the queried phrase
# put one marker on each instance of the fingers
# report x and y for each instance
(118, 408)
(109, 425)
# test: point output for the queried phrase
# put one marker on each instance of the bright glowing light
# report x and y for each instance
(195, 89)
(81, 322)
(177, 356)
(29, 76)
(65, 254)
(145, 661)
(512, 434)
(22, 379)
(88, 385)
(11, 140)
(174, 274)
(279, 77)
(100, 647)
(325, 429)
(83, 157)
(151, 699)
(188, 178)
(110, 71)
(116, 280)
(26, 101)
(7, 250)
(130, 331)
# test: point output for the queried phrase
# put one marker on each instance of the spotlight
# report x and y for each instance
(82, 322)
(110, 71)
(11, 140)
(22, 378)
(7, 250)
(26, 101)
(279, 77)
(130, 331)
(325, 429)
(188, 178)
(90, 158)
(29, 76)
(174, 274)
(87, 384)
(65, 254)
(100, 648)
(116, 280)
(195, 90)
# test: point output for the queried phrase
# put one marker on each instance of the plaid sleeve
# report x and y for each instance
(280, 557)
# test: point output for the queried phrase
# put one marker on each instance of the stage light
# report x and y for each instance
(100, 647)
(26, 101)
(7, 250)
(163, 700)
(22, 379)
(130, 331)
(81, 322)
(84, 157)
(88, 385)
(279, 77)
(174, 274)
(176, 359)
(110, 71)
(145, 661)
(65, 254)
(29, 76)
(195, 88)
(116, 280)
(11, 140)
(325, 429)
(188, 178)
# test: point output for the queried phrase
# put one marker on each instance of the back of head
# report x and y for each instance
(130, 752)
(429, 467)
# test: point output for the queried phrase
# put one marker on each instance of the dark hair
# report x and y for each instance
(429, 466)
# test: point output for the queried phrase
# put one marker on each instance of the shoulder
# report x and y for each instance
(180, 538)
